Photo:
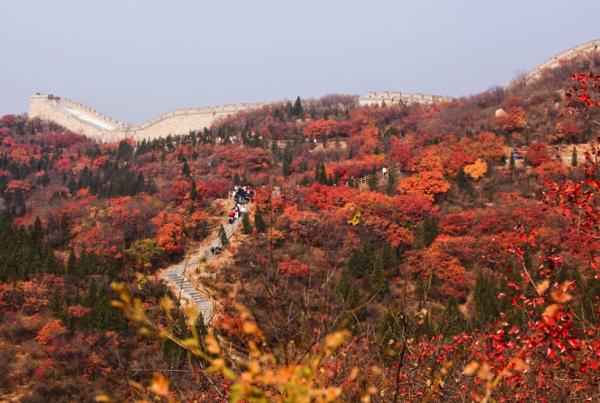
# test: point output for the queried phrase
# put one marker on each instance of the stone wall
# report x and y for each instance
(391, 98)
(555, 61)
(85, 120)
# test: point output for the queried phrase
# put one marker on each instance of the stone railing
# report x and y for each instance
(91, 111)
(213, 110)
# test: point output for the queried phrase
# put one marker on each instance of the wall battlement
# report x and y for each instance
(83, 119)
(395, 97)
(591, 47)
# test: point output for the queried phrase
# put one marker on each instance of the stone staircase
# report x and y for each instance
(182, 288)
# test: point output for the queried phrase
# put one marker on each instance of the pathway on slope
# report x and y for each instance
(362, 182)
(174, 275)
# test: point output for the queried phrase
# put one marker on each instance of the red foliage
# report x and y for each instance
(50, 332)
(170, 232)
(293, 267)
(537, 154)
(18, 186)
(320, 128)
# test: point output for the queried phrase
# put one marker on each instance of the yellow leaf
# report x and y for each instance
(560, 294)
(484, 372)
(551, 310)
(542, 287)
(166, 304)
(519, 365)
(160, 384)
(250, 327)
(336, 339)
(470, 368)
(211, 344)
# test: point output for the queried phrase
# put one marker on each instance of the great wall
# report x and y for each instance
(391, 98)
(85, 120)
(583, 49)
(82, 119)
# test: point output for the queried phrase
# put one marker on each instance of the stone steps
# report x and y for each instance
(175, 276)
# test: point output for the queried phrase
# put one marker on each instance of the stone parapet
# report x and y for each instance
(82, 119)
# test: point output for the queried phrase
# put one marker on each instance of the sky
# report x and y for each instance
(133, 60)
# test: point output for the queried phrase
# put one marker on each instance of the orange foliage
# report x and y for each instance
(170, 233)
(476, 170)
(320, 128)
(50, 332)
(427, 184)
(293, 267)
(18, 186)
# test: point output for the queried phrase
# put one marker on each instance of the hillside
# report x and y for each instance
(440, 242)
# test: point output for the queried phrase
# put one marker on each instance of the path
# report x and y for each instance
(362, 182)
(174, 275)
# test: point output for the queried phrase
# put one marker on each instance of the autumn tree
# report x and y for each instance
(477, 169)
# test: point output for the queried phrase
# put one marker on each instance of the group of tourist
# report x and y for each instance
(241, 196)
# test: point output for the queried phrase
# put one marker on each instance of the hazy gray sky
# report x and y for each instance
(136, 59)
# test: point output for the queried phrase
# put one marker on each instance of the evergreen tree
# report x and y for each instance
(72, 264)
(372, 181)
(321, 174)
(186, 169)
(574, 157)
(348, 289)
(193, 191)
(391, 327)
(259, 223)
(37, 232)
(512, 164)
(429, 231)
(391, 182)
(298, 110)
(223, 237)
(485, 296)
(286, 161)
(452, 321)
(236, 180)
(377, 275)
(461, 179)
(289, 108)
(246, 226)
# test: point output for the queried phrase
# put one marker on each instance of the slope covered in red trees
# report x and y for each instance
(469, 270)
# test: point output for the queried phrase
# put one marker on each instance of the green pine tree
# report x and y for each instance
(372, 181)
(512, 164)
(259, 223)
(298, 109)
(286, 162)
(429, 231)
(223, 237)
(391, 182)
(246, 225)
(452, 321)
(186, 169)
(574, 157)
(485, 297)
(72, 264)
(193, 191)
